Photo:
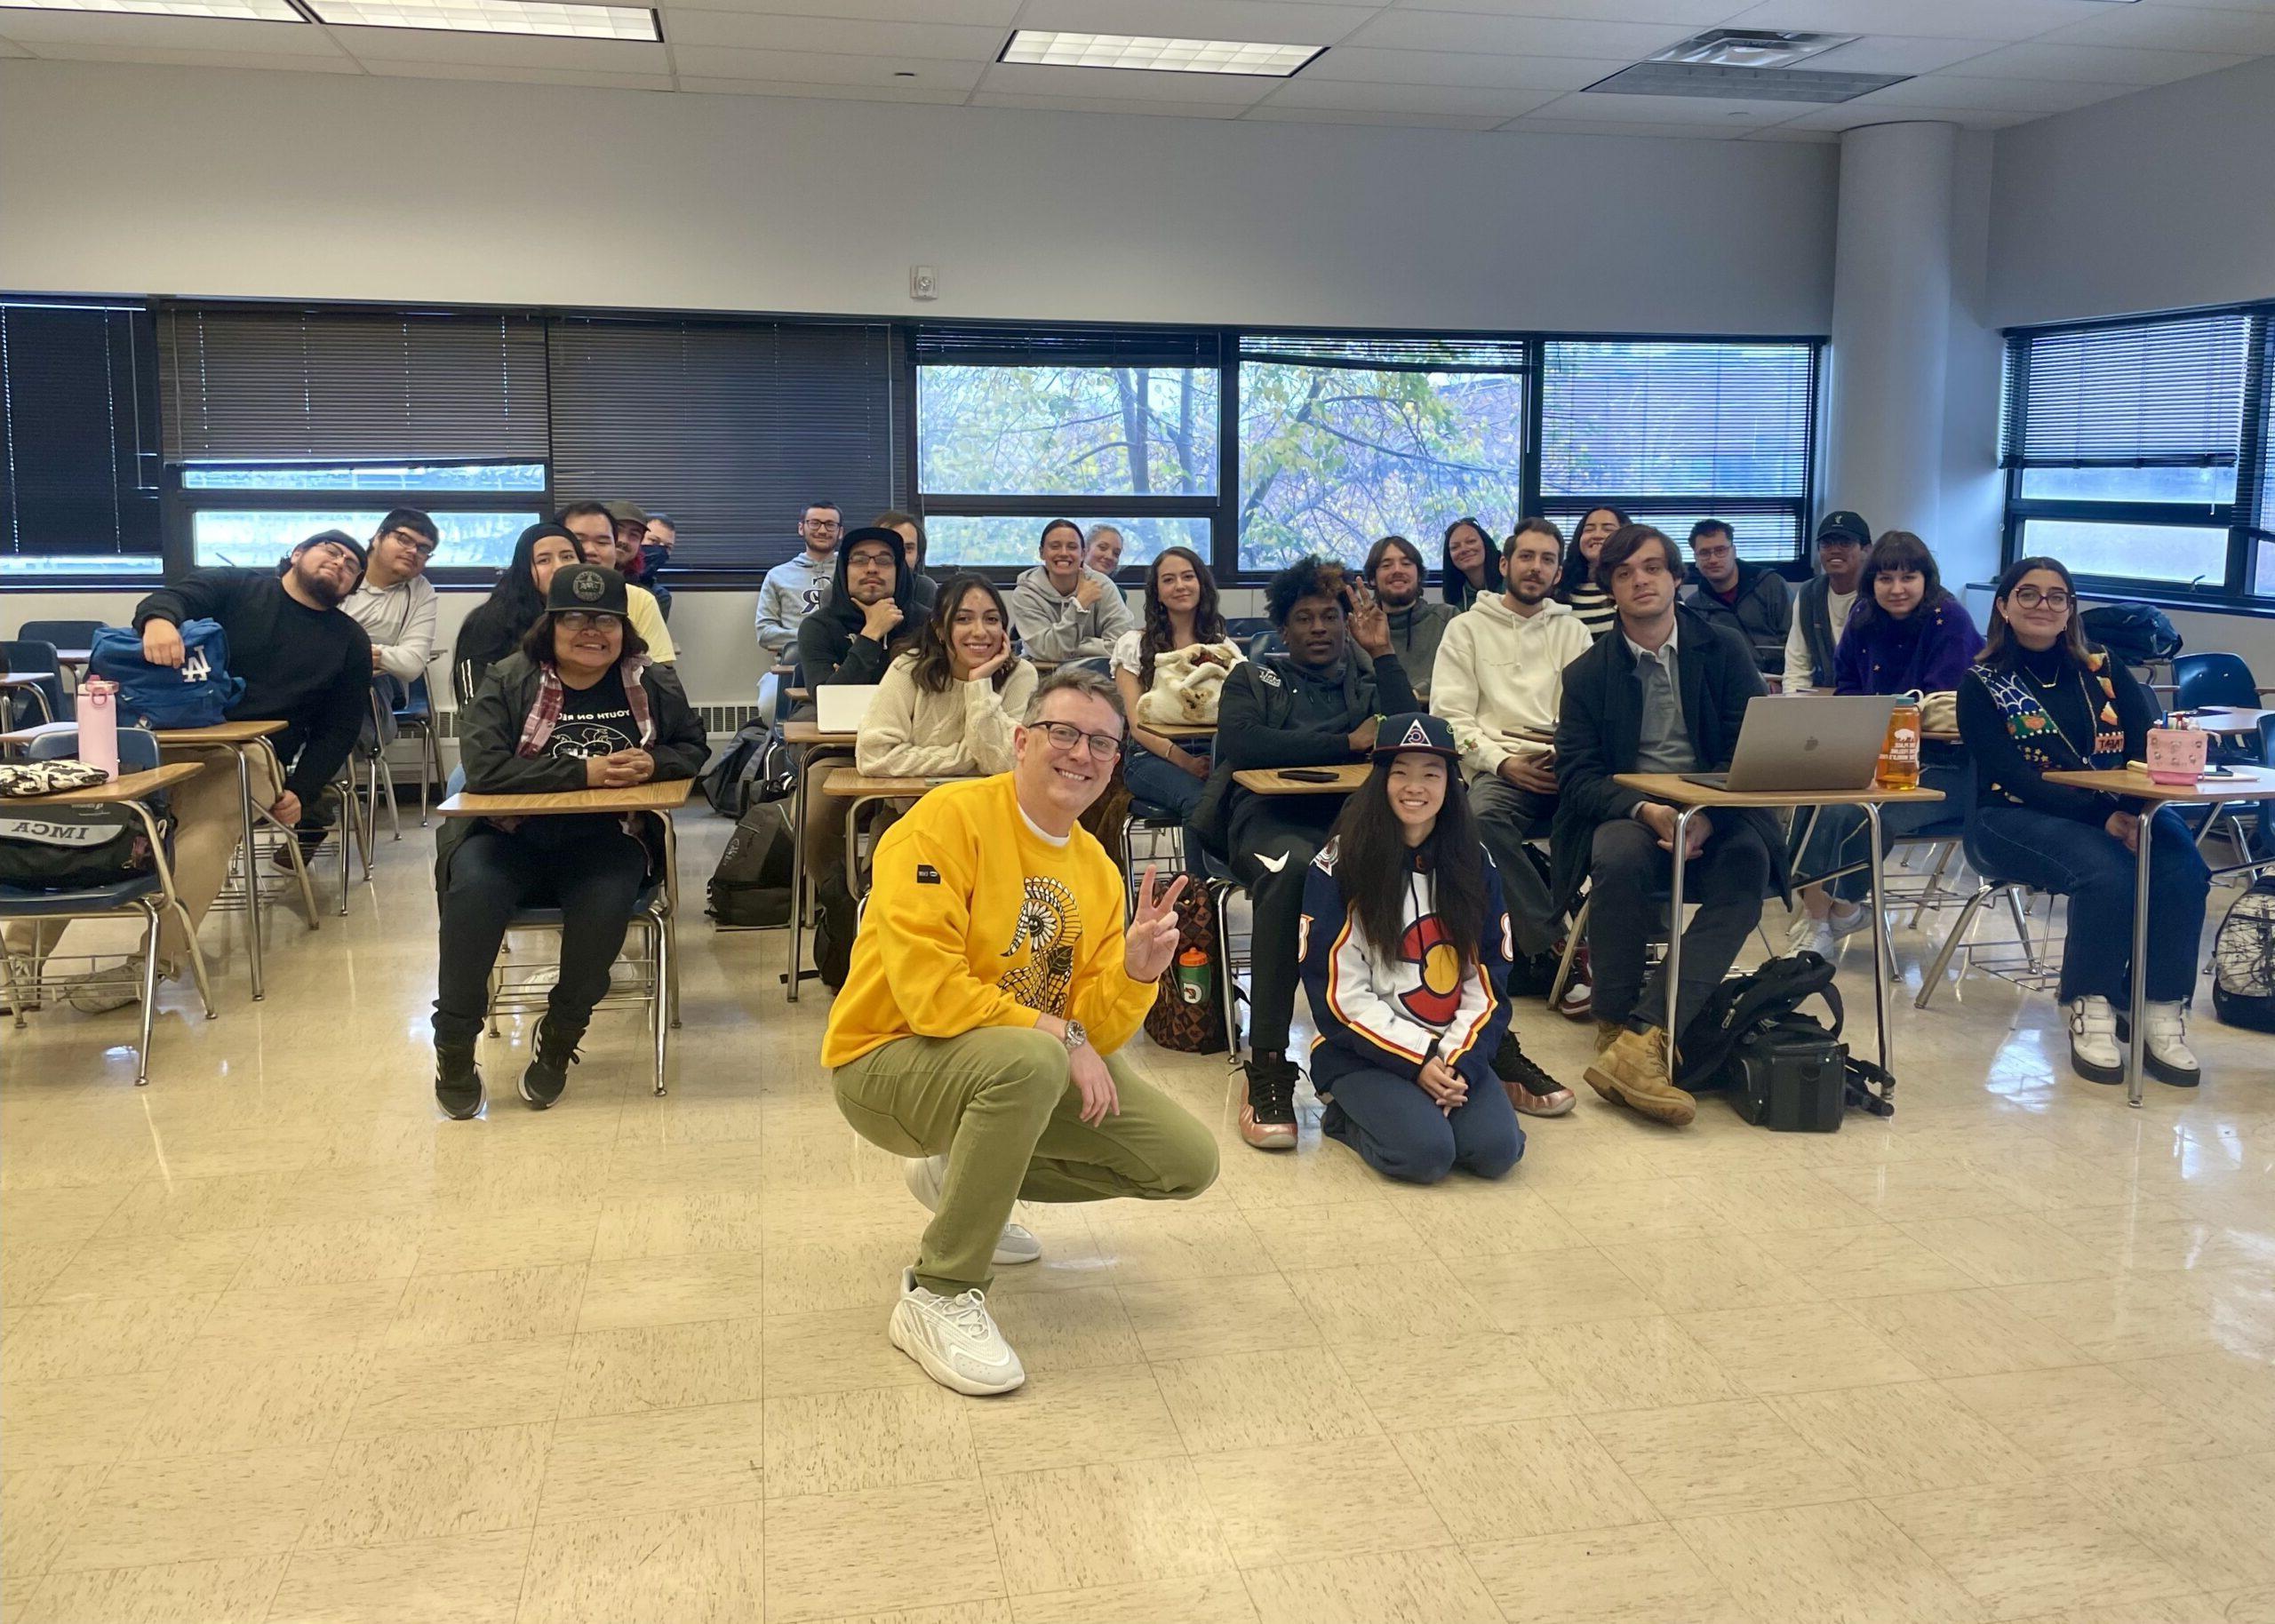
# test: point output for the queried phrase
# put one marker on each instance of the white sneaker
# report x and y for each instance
(99, 992)
(927, 1174)
(2093, 1052)
(2164, 1041)
(953, 1340)
(1848, 919)
(1820, 938)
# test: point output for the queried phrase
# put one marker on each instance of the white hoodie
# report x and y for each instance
(1498, 674)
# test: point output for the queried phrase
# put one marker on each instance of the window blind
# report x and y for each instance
(1427, 352)
(245, 384)
(78, 437)
(2166, 393)
(986, 345)
(732, 428)
(1673, 418)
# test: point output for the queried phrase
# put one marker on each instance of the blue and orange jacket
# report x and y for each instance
(1391, 1011)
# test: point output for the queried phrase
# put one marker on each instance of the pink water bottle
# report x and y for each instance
(98, 724)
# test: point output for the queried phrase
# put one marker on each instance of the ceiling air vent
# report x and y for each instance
(1746, 65)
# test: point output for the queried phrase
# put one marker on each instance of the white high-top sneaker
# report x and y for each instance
(954, 1338)
(925, 1175)
(2164, 1043)
(2094, 1052)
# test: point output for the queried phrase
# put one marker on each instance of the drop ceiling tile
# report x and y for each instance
(30, 27)
(1404, 28)
(1852, 114)
(2173, 28)
(518, 75)
(1693, 13)
(833, 36)
(1609, 107)
(1789, 133)
(1127, 85)
(2094, 64)
(1447, 101)
(1099, 104)
(970, 13)
(1533, 123)
(163, 56)
(1990, 95)
(1948, 19)
(1888, 53)
(810, 89)
(1266, 21)
(502, 50)
(728, 62)
(1367, 115)
(1520, 73)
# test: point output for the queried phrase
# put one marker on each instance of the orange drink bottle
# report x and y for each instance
(1899, 768)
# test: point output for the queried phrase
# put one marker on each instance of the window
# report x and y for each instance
(78, 441)
(1101, 425)
(1671, 432)
(1344, 440)
(2132, 449)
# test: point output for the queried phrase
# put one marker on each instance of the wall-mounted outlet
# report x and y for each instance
(924, 281)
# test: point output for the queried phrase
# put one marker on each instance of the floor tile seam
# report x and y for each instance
(1698, 1546)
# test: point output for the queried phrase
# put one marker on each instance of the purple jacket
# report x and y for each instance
(1928, 650)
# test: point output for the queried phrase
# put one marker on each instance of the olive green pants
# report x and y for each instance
(999, 1104)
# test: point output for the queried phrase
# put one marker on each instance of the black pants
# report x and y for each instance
(1628, 875)
(1507, 817)
(588, 868)
(1274, 839)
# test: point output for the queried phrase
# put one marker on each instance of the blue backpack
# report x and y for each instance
(199, 695)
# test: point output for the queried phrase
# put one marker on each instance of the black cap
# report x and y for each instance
(873, 532)
(590, 588)
(1416, 730)
(341, 539)
(1842, 522)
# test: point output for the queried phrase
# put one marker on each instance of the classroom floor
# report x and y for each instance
(280, 1345)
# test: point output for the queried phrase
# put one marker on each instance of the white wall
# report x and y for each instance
(141, 179)
(2157, 201)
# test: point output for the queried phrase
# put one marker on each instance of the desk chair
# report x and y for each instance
(45, 702)
(1660, 896)
(2033, 968)
(416, 715)
(149, 894)
(62, 634)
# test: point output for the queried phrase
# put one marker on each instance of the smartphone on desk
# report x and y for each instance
(1308, 775)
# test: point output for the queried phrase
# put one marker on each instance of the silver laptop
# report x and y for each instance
(839, 706)
(1795, 743)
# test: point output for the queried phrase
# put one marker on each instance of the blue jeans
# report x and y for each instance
(1398, 1131)
(2091, 867)
(1838, 839)
(1158, 784)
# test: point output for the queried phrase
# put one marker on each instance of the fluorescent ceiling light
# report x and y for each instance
(546, 16)
(237, 11)
(1046, 48)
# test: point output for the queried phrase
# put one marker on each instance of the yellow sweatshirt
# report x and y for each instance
(976, 921)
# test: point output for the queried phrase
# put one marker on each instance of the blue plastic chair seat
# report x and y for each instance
(20, 903)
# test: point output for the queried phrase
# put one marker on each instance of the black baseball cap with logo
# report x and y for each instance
(588, 588)
(1842, 522)
(1416, 730)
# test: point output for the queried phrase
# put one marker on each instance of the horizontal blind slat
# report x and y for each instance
(2166, 393)
(77, 476)
(1675, 418)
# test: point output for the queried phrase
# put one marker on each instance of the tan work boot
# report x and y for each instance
(1607, 1033)
(1632, 1071)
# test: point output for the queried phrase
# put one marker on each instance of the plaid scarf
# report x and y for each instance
(537, 726)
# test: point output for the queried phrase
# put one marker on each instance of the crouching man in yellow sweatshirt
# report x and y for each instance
(991, 986)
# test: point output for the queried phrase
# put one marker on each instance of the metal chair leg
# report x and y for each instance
(665, 972)
(1934, 978)
(395, 813)
(1572, 937)
(149, 992)
(430, 766)
(2022, 930)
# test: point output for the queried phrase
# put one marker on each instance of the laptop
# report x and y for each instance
(1793, 743)
(839, 706)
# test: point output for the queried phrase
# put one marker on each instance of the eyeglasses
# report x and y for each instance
(1066, 736)
(583, 620)
(2031, 597)
(413, 540)
(823, 525)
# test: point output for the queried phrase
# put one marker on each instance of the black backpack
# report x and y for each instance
(753, 768)
(2243, 961)
(2134, 633)
(1783, 1068)
(750, 889)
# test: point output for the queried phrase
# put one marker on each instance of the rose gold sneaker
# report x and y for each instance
(1268, 1114)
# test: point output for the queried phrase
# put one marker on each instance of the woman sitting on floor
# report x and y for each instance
(578, 707)
(1180, 618)
(1405, 951)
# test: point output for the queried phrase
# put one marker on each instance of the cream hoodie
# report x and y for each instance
(909, 733)
(1499, 673)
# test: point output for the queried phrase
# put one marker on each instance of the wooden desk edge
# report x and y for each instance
(1673, 787)
(640, 798)
(2252, 785)
(127, 786)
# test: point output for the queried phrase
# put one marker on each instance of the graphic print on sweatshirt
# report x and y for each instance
(594, 721)
(1050, 926)
(1436, 994)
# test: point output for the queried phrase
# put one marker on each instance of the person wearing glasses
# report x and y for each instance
(2039, 698)
(395, 604)
(594, 527)
(793, 589)
(979, 1032)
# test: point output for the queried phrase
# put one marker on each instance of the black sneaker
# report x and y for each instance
(1532, 974)
(1530, 1089)
(458, 1085)
(1268, 1114)
(547, 1073)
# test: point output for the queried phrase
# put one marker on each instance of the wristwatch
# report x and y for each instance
(1075, 1036)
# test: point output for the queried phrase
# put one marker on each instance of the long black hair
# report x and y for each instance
(515, 603)
(934, 669)
(1453, 584)
(1896, 552)
(2000, 650)
(1372, 862)
(1577, 570)
(1208, 624)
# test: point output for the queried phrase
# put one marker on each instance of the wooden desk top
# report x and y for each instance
(2249, 784)
(1179, 730)
(219, 733)
(1676, 790)
(22, 679)
(74, 656)
(845, 783)
(660, 795)
(126, 787)
(2225, 718)
(811, 733)
(1273, 781)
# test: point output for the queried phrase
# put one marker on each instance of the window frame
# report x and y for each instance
(2235, 589)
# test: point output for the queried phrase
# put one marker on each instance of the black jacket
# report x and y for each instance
(831, 648)
(1762, 615)
(1600, 730)
(309, 668)
(1256, 726)
(490, 730)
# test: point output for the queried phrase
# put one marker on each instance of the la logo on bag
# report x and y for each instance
(195, 667)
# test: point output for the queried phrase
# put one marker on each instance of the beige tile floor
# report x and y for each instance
(280, 1346)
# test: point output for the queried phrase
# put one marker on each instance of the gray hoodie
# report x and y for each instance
(1053, 626)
